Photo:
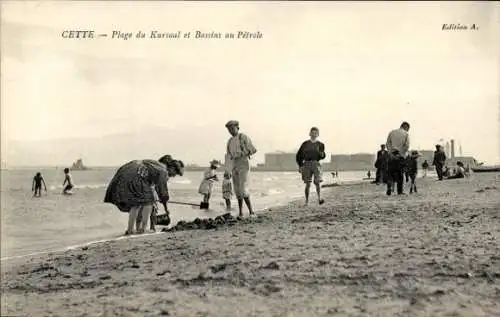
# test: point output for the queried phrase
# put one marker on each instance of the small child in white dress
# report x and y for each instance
(227, 190)
(209, 177)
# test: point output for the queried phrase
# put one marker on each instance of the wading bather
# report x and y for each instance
(131, 189)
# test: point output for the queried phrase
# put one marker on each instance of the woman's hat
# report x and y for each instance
(178, 166)
(214, 162)
(171, 164)
(231, 123)
(166, 159)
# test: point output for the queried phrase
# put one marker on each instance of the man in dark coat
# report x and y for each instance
(439, 161)
(381, 165)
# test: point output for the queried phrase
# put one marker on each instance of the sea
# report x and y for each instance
(55, 222)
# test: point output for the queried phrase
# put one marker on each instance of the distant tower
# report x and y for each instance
(460, 148)
(452, 148)
(447, 149)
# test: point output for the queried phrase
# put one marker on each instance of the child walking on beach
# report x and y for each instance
(69, 180)
(209, 177)
(227, 190)
(308, 158)
(425, 166)
(36, 187)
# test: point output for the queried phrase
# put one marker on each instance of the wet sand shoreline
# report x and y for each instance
(436, 253)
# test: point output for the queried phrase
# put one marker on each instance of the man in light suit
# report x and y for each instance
(237, 163)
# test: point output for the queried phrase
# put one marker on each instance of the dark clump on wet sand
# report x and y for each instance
(436, 253)
(224, 220)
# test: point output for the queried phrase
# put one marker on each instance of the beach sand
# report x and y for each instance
(436, 253)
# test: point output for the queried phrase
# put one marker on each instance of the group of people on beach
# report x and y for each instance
(239, 149)
(139, 185)
(394, 164)
(38, 180)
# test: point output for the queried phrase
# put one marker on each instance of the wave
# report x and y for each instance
(84, 186)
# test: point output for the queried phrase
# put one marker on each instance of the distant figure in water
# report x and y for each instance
(36, 186)
(369, 174)
(209, 177)
(308, 158)
(227, 190)
(67, 180)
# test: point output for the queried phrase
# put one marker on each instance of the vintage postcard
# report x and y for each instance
(250, 158)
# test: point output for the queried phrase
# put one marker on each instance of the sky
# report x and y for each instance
(356, 70)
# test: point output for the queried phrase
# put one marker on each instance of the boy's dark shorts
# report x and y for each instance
(310, 170)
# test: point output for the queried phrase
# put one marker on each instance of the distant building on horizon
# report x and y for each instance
(281, 161)
(352, 162)
(285, 161)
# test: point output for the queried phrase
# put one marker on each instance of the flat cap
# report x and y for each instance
(232, 123)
